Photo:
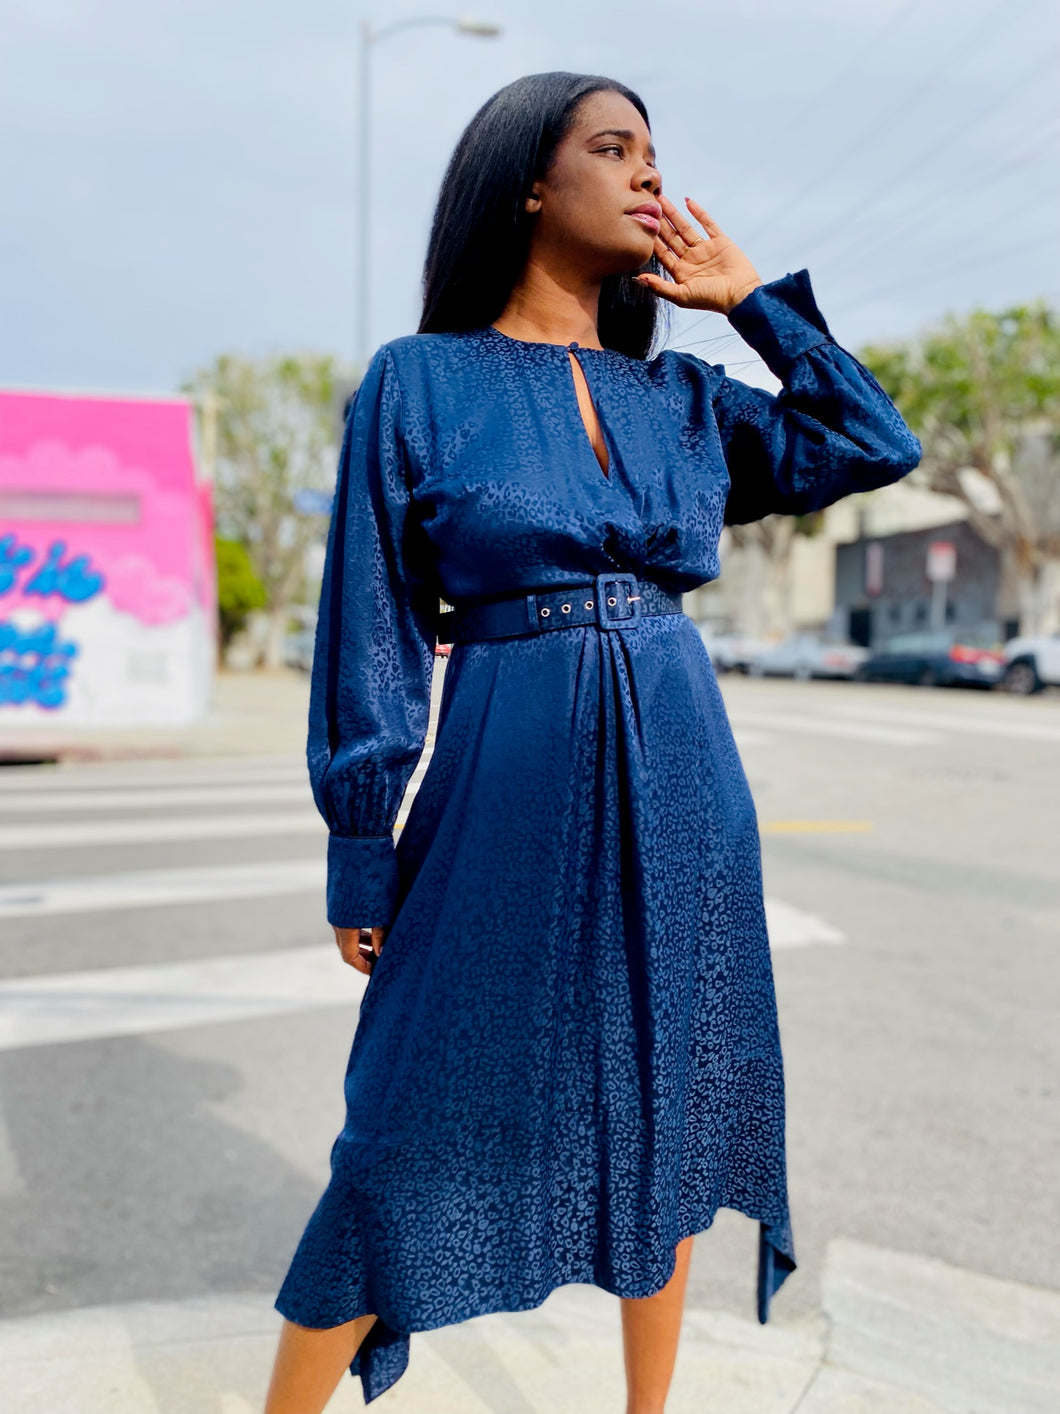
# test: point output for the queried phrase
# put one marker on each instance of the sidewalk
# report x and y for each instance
(252, 714)
(899, 1334)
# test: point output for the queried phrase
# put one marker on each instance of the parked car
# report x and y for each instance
(730, 652)
(808, 655)
(1032, 663)
(938, 657)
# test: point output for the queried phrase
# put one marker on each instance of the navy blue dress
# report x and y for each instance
(567, 1057)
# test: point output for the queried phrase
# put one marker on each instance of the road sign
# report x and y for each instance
(874, 567)
(308, 502)
(941, 561)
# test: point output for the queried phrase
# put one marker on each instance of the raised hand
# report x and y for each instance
(706, 272)
(360, 946)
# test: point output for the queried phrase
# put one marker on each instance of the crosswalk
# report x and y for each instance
(69, 841)
(768, 713)
(245, 830)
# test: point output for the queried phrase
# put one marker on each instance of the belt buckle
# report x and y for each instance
(633, 599)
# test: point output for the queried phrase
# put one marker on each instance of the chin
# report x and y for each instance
(630, 260)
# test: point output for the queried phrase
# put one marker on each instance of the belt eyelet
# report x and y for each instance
(588, 603)
(565, 608)
(545, 613)
(611, 599)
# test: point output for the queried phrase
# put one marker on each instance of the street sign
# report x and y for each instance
(308, 502)
(941, 561)
(874, 567)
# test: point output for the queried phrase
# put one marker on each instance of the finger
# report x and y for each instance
(672, 242)
(704, 218)
(677, 219)
(666, 289)
(668, 258)
(355, 959)
(378, 934)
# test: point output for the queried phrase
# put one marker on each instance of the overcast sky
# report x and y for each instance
(179, 177)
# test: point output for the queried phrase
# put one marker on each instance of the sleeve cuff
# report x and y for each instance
(780, 321)
(362, 881)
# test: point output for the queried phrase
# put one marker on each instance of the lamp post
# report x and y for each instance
(370, 37)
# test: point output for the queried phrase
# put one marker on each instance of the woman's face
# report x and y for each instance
(597, 207)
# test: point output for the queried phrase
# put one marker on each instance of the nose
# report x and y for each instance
(648, 179)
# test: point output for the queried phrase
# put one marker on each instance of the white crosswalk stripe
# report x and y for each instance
(132, 1001)
(96, 801)
(154, 888)
(832, 726)
(149, 775)
(150, 829)
(939, 720)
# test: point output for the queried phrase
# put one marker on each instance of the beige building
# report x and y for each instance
(768, 599)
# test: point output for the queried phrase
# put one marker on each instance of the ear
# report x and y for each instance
(533, 203)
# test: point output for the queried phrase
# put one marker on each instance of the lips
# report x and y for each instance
(649, 216)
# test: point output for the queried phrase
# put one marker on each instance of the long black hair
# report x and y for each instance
(480, 236)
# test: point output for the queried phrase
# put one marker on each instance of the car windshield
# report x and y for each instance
(978, 636)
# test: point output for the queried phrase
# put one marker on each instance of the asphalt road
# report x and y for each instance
(167, 1114)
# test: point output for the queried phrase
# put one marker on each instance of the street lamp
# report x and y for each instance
(478, 29)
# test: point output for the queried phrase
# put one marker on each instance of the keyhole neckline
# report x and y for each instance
(546, 343)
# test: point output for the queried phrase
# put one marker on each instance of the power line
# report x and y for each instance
(1005, 6)
(917, 210)
(871, 46)
(961, 129)
(949, 267)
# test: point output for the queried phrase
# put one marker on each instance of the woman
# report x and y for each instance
(567, 1057)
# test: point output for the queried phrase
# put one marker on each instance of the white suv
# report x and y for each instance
(1032, 663)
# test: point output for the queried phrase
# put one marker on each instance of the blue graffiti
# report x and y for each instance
(73, 580)
(12, 558)
(34, 665)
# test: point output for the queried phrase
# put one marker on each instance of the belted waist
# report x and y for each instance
(610, 600)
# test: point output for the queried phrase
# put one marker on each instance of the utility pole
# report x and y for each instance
(478, 29)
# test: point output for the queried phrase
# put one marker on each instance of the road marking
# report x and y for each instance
(133, 1001)
(832, 726)
(151, 830)
(151, 888)
(148, 797)
(953, 721)
(751, 738)
(816, 827)
(791, 927)
(150, 774)
(12, 1183)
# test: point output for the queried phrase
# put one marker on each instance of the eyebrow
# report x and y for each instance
(621, 132)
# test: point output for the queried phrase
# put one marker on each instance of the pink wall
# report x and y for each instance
(99, 499)
(138, 453)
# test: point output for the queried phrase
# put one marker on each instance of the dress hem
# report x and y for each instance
(383, 1356)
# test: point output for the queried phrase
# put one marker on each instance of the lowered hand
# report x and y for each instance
(360, 946)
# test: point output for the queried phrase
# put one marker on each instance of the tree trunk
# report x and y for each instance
(777, 587)
(272, 657)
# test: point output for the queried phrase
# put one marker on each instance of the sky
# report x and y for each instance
(181, 178)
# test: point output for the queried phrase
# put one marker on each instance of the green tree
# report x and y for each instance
(239, 590)
(982, 392)
(277, 433)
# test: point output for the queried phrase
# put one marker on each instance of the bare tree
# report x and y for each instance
(277, 435)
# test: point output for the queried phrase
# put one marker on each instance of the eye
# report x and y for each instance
(611, 147)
